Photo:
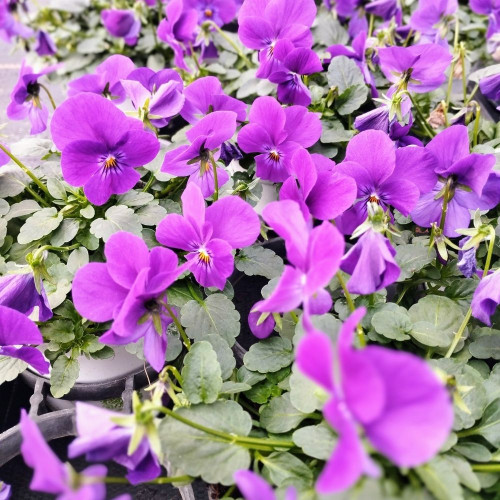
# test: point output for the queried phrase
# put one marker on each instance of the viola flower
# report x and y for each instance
(386, 9)
(262, 23)
(419, 68)
(19, 292)
(486, 298)
(194, 160)
(371, 264)
(206, 95)
(465, 179)
(122, 24)
(229, 152)
(4, 158)
(261, 327)
(179, 29)
(44, 45)
(100, 146)
(218, 11)
(130, 290)
(314, 256)
(253, 487)
(467, 262)
(54, 477)
(490, 8)
(431, 19)
(25, 99)
(357, 52)
(490, 87)
(209, 235)
(17, 332)
(402, 407)
(384, 175)
(9, 26)
(317, 187)
(106, 80)
(5, 491)
(158, 96)
(295, 63)
(276, 133)
(101, 440)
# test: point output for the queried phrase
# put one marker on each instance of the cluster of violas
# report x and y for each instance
(393, 397)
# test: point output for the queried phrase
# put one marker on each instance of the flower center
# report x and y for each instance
(374, 198)
(208, 13)
(110, 162)
(33, 89)
(274, 155)
(203, 256)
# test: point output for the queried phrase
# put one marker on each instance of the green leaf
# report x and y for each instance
(269, 355)
(492, 385)
(198, 454)
(317, 441)
(230, 387)
(58, 330)
(392, 321)
(334, 132)
(77, 259)
(63, 376)
(65, 232)
(88, 212)
(259, 261)
(151, 215)
(201, 374)
(24, 207)
(105, 352)
(284, 468)
(412, 258)
(440, 478)
(305, 395)
(117, 218)
(10, 368)
(135, 198)
(486, 346)
(280, 415)
(489, 426)
(464, 471)
(56, 188)
(435, 320)
(351, 99)
(178, 294)
(224, 353)
(474, 451)
(216, 314)
(40, 224)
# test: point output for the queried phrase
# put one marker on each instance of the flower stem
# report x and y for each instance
(26, 170)
(486, 467)
(177, 323)
(453, 63)
(444, 210)
(231, 42)
(475, 132)
(421, 117)
(49, 95)
(352, 308)
(216, 180)
(149, 183)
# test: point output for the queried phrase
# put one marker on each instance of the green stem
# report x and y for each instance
(149, 183)
(421, 117)
(231, 42)
(194, 294)
(249, 442)
(453, 63)
(37, 197)
(26, 170)
(294, 317)
(475, 132)
(216, 180)
(486, 467)
(229, 492)
(49, 95)
(371, 25)
(464, 78)
(472, 94)
(444, 210)
(59, 249)
(177, 323)
(352, 307)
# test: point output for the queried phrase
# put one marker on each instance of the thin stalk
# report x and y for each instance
(444, 210)
(37, 197)
(294, 317)
(59, 249)
(486, 467)
(464, 78)
(177, 323)
(229, 492)
(216, 180)
(475, 132)
(230, 42)
(49, 95)
(26, 170)
(421, 117)
(472, 94)
(371, 25)
(352, 307)
(453, 63)
(149, 183)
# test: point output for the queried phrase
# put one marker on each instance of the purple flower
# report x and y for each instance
(5, 491)
(100, 146)
(490, 87)
(45, 46)
(467, 259)
(218, 11)
(229, 152)
(276, 133)
(402, 407)
(9, 26)
(122, 24)
(106, 80)
(178, 29)
(204, 96)
(317, 187)
(486, 298)
(25, 99)
(194, 160)
(51, 475)
(386, 9)
(102, 440)
(431, 19)
(263, 22)
(295, 63)
(16, 333)
(253, 487)
(261, 324)
(314, 256)
(158, 95)
(384, 175)
(4, 158)
(371, 264)
(490, 8)
(130, 290)
(19, 292)
(209, 235)
(420, 68)
(464, 178)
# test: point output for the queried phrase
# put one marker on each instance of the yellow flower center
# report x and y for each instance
(208, 13)
(110, 162)
(274, 155)
(203, 256)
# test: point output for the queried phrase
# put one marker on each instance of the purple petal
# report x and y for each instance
(252, 486)
(29, 355)
(177, 232)
(449, 146)
(218, 127)
(486, 298)
(16, 328)
(416, 165)
(302, 126)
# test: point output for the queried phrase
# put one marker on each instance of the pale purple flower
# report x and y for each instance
(193, 160)
(206, 95)
(371, 264)
(4, 158)
(490, 87)
(218, 11)
(44, 45)
(253, 487)
(10, 27)
(467, 262)
(122, 24)
(19, 292)
(159, 94)
(261, 328)
(101, 440)
(5, 491)
(317, 187)
(17, 333)
(276, 133)
(486, 298)
(106, 79)
(419, 68)
(431, 19)
(386, 9)
(209, 235)
(490, 8)
(100, 146)
(130, 290)
(394, 397)
(314, 255)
